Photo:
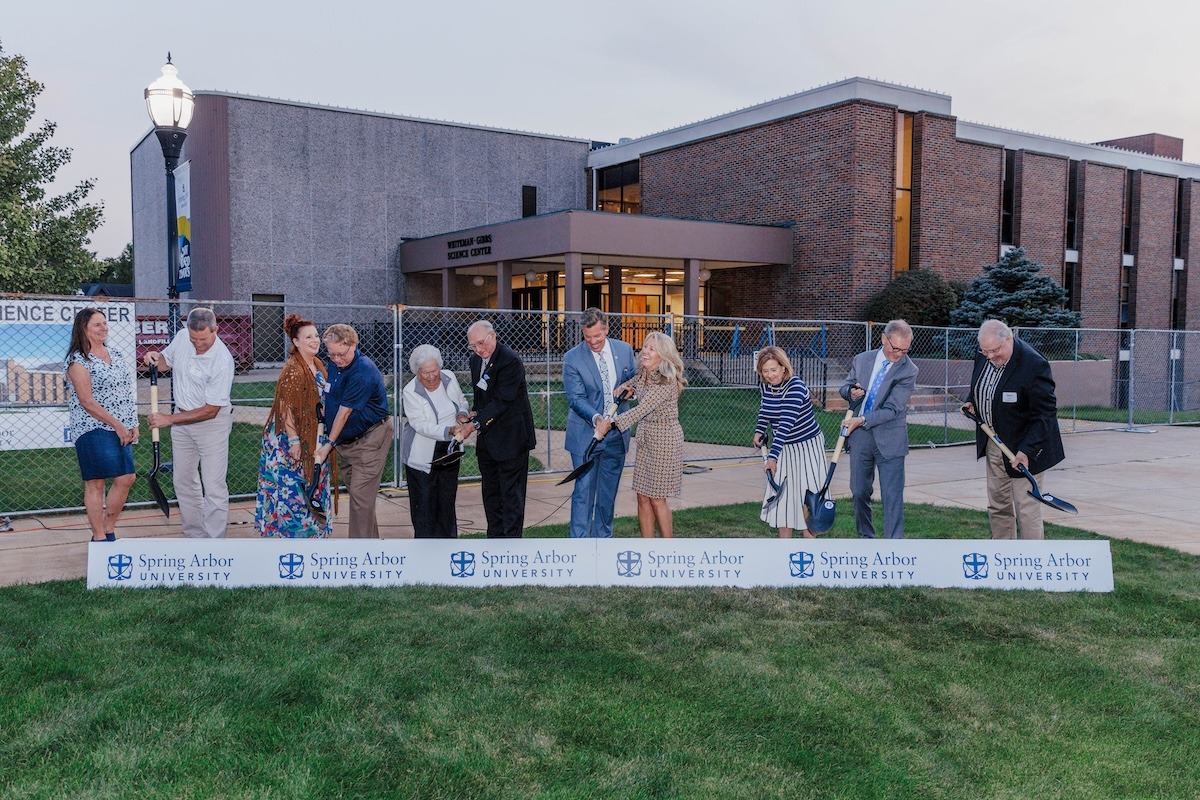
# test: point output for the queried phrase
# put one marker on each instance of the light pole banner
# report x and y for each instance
(34, 337)
(1054, 566)
(183, 222)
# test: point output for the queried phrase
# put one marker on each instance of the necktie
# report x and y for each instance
(605, 378)
(870, 401)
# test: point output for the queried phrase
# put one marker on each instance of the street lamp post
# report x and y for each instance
(170, 104)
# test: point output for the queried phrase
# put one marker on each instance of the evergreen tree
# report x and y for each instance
(118, 269)
(918, 296)
(1013, 291)
(42, 239)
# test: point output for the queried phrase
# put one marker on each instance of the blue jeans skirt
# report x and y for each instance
(101, 455)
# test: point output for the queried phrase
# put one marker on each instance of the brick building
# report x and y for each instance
(868, 178)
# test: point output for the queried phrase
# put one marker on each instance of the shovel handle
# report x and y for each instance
(154, 399)
(995, 437)
(611, 412)
(320, 433)
(842, 432)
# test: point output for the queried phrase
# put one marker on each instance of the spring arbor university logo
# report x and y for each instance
(800, 565)
(629, 564)
(975, 566)
(291, 566)
(462, 564)
(120, 567)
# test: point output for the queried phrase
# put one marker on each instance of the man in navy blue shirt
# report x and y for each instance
(358, 423)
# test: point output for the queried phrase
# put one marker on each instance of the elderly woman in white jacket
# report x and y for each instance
(435, 407)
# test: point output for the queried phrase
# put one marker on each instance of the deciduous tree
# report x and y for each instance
(43, 239)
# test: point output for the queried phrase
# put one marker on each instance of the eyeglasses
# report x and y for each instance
(902, 350)
(480, 342)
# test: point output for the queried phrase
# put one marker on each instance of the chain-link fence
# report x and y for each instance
(1104, 378)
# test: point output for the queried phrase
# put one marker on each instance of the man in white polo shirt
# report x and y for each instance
(202, 374)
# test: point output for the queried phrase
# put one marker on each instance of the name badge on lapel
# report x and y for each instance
(483, 383)
(1008, 397)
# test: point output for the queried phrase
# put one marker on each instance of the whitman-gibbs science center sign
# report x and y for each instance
(1057, 566)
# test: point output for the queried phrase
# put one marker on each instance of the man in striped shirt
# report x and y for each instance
(1012, 389)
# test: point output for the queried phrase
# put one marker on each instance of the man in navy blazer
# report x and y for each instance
(589, 394)
(878, 433)
(1012, 389)
(504, 419)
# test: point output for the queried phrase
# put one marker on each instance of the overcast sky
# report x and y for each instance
(1084, 70)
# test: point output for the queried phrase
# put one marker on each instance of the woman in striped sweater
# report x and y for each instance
(797, 452)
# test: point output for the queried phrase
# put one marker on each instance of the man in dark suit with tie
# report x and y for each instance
(878, 433)
(504, 419)
(591, 372)
(1012, 389)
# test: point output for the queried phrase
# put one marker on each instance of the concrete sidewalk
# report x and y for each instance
(1132, 485)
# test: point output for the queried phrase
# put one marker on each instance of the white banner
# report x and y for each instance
(34, 337)
(1054, 565)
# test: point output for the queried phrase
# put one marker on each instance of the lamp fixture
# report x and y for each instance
(705, 274)
(530, 276)
(598, 273)
(477, 280)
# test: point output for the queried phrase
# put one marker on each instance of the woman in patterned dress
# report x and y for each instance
(103, 416)
(290, 438)
(797, 447)
(658, 470)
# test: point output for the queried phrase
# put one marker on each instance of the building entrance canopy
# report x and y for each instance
(573, 241)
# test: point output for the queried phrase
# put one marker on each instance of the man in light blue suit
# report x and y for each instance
(592, 370)
(878, 434)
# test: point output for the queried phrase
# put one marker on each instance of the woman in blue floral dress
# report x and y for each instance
(103, 418)
(290, 438)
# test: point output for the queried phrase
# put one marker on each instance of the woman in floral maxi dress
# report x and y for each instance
(290, 438)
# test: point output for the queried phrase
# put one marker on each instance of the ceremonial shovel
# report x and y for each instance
(588, 460)
(821, 509)
(155, 490)
(314, 502)
(777, 488)
(1035, 492)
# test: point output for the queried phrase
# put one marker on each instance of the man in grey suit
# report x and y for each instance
(591, 372)
(878, 434)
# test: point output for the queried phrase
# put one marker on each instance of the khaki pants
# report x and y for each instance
(200, 451)
(1011, 509)
(361, 465)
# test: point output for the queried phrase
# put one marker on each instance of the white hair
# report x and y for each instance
(423, 354)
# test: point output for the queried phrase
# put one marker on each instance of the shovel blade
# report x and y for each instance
(314, 502)
(588, 463)
(822, 511)
(1036, 493)
(777, 489)
(1055, 502)
(160, 497)
(582, 469)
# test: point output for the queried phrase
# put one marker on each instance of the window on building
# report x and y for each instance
(1008, 197)
(902, 227)
(619, 188)
(1127, 240)
(1178, 301)
(1124, 312)
(1071, 285)
(1072, 205)
(1179, 221)
(528, 201)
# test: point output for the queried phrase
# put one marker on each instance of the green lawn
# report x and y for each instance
(442, 692)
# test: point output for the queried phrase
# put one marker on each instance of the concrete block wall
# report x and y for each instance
(318, 199)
